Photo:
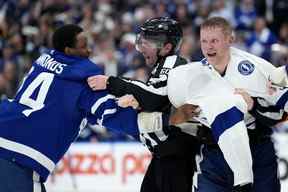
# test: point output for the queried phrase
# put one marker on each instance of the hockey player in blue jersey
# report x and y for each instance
(39, 124)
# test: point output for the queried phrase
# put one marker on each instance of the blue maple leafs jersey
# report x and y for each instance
(39, 124)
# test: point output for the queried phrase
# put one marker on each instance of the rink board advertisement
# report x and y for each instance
(119, 167)
(101, 167)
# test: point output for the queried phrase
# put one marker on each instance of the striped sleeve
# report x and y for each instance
(102, 109)
(272, 108)
(98, 103)
(152, 96)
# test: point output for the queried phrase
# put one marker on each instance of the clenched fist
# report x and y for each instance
(128, 101)
(97, 82)
(184, 113)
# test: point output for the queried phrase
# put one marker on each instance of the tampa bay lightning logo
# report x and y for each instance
(246, 67)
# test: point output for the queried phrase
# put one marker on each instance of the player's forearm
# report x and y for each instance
(149, 98)
(266, 114)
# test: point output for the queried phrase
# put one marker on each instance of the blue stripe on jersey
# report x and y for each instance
(225, 121)
(282, 101)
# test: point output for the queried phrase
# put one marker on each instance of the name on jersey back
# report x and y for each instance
(50, 63)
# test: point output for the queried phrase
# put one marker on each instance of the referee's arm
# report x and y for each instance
(151, 97)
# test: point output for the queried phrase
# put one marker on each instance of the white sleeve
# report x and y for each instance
(226, 118)
(223, 112)
(279, 76)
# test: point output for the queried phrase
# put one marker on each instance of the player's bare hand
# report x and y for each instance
(184, 113)
(248, 99)
(97, 82)
(271, 89)
(128, 101)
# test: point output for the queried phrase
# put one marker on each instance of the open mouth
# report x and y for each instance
(211, 54)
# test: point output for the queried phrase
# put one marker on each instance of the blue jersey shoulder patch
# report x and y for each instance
(246, 67)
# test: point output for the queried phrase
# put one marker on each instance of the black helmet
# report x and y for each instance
(162, 30)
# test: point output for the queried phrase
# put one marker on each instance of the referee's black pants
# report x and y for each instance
(173, 171)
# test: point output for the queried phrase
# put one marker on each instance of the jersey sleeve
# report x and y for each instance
(225, 116)
(102, 109)
(152, 96)
(271, 109)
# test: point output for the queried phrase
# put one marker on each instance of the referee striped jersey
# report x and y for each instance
(152, 96)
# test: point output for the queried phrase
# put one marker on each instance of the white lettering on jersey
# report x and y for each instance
(49, 63)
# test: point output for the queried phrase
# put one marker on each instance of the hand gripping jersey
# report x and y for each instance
(38, 126)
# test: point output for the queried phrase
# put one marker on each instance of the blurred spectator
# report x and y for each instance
(182, 15)
(161, 9)
(280, 13)
(261, 39)
(280, 50)
(239, 40)
(202, 13)
(261, 7)
(10, 75)
(187, 47)
(223, 8)
(245, 14)
(283, 34)
(279, 55)
(127, 52)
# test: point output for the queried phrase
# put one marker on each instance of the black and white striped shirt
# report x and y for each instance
(152, 95)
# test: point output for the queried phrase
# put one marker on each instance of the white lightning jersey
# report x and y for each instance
(200, 84)
(253, 74)
(221, 110)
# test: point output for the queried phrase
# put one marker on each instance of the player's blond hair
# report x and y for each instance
(218, 22)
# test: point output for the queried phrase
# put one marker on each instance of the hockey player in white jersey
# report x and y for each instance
(231, 68)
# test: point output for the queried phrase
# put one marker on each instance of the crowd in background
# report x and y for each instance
(26, 26)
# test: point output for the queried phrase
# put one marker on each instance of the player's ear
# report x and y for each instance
(232, 38)
(166, 49)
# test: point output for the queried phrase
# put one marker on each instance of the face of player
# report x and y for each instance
(148, 49)
(81, 46)
(215, 45)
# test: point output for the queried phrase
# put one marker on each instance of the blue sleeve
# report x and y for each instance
(123, 121)
(98, 103)
(102, 109)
